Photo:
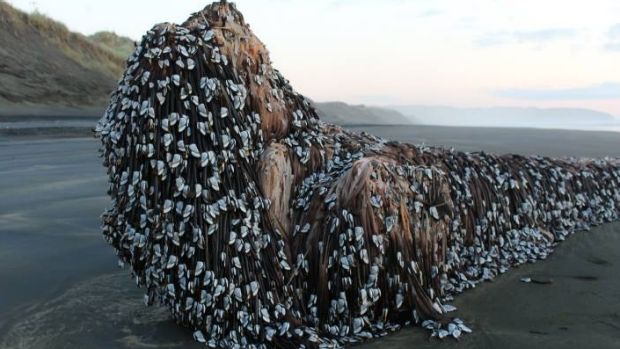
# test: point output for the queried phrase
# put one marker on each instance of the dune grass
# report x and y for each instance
(76, 46)
(122, 46)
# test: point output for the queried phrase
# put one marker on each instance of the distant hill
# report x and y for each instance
(43, 63)
(506, 116)
(345, 114)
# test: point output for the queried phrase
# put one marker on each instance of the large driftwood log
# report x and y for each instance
(259, 225)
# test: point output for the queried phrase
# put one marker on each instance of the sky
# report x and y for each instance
(475, 53)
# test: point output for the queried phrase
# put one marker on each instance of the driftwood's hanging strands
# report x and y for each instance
(258, 226)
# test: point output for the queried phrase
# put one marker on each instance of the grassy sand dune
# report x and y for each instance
(44, 63)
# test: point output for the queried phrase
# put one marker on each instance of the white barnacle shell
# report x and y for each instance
(167, 206)
(202, 110)
(199, 337)
(183, 123)
(167, 138)
(204, 159)
(434, 212)
(172, 261)
(190, 64)
(223, 112)
(208, 35)
(193, 148)
(176, 161)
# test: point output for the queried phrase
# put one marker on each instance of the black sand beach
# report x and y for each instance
(61, 287)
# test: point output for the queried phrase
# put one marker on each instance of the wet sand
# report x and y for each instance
(61, 287)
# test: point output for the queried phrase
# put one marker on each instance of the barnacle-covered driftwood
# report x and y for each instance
(258, 225)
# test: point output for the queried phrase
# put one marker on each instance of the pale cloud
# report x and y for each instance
(520, 37)
(613, 46)
(606, 90)
(431, 13)
(614, 32)
(613, 36)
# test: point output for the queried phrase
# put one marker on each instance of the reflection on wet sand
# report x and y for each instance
(94, 314)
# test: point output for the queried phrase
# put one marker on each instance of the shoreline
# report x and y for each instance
(54, 194)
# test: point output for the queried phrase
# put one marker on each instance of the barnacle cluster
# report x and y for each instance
(258, 225)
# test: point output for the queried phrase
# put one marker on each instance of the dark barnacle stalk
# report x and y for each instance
(258, 225)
